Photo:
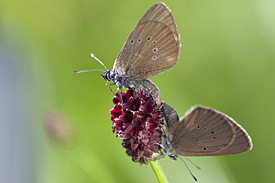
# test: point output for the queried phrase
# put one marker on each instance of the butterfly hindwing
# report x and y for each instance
(207, 132)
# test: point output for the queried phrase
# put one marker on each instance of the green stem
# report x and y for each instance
(158, 172)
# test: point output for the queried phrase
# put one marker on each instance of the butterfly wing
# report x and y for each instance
(241, 143)
(170, 115)
(207, 132)
(152, 47)
(148, 88)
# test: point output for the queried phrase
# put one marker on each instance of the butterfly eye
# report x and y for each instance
(155, 50)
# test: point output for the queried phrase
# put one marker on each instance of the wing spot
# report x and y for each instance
(212, 132)
(149, 38)
(132, 41)
(205, 148)
(199, 126)
(139, 40)
(155, 50)
(154, 57)
(205, 129)
(154, 42)
(214, 137)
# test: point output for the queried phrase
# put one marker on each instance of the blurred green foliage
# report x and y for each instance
(227, 61)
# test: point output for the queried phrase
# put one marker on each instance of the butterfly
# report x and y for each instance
(151, 48)
(203, 131)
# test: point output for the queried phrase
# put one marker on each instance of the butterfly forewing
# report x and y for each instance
(159, 12)
(207, 132)
(152, 47)
(241, 143)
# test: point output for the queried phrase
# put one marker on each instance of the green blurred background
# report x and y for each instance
(227, 61)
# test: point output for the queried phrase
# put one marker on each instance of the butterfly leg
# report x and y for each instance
(162, 150)
(111, 88)
(119, 88)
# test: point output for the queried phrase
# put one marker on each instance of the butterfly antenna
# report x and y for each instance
(94, 57)
(188, 169)
(88, 71)
(196, 166)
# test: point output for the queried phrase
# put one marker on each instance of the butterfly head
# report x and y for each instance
(173, 156)
(106, 75)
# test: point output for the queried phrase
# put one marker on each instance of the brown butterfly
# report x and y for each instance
(203, 131)
(151, 48)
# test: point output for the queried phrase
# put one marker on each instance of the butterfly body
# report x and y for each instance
(119, 80)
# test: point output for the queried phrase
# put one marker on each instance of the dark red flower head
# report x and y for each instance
(137, 121)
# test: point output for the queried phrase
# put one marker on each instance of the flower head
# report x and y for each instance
(137, 121)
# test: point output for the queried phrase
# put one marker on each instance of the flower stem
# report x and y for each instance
(158, 172)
